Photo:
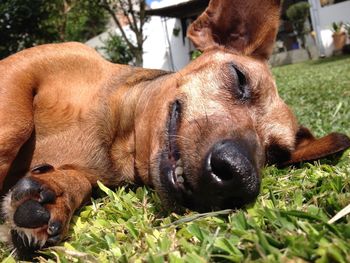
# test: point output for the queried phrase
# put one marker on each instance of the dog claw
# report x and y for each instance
(23, 250)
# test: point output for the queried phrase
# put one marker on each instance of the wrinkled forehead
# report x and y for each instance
(214, 61)
(213, 68)
(208, 84)
(211, 73)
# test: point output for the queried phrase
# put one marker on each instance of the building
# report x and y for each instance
(323, 14)
(166, 46)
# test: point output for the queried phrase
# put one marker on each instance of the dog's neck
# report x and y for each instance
(134, 96)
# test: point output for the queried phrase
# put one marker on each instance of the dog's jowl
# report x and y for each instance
(199, 136)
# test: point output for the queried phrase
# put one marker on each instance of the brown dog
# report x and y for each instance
(199, 137)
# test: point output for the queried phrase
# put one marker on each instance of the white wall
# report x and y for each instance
(322, 19)
(334, 13)
(162, 49)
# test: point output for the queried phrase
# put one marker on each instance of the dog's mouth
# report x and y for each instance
(227, 176)
(173, 177)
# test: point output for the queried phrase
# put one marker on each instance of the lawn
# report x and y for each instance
(288, 223)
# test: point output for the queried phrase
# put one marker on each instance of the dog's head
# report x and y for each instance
(222, 118)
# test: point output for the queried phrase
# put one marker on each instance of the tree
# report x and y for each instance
(298, 13)
(85, 19)
(134, 12)
(116, 49)
(25, 23)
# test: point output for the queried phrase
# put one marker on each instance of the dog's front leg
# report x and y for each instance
(39, 207)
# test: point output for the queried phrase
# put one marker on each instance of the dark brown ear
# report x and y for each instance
(246, 26)
(308, 148)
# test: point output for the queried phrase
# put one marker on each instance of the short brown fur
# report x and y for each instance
(63, 105)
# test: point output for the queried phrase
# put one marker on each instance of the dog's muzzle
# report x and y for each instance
(230, 178)
(227, 176)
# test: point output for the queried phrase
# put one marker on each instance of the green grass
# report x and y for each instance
(288, 223)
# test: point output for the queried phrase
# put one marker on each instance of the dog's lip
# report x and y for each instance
(176, 174)
(174, 180)
(176, 177)
(171, 166)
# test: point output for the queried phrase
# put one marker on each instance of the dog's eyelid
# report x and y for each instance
(242, 90)
(241, 76)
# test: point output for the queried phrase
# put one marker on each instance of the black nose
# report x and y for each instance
(230, 177)
(229, 162)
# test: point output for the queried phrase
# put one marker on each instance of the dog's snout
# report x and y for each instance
(230, 175)
(228, 162)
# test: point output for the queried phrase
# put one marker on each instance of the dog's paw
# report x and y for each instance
(37, 213)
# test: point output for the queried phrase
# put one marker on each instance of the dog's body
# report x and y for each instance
(199, 137)
(76, 114)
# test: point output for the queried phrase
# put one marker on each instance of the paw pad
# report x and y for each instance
(25, 187)
(31, 214)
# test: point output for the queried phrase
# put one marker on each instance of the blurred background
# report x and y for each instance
(152, 33)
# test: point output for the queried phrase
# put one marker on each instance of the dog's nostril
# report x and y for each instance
(228, 163)
(221, 168)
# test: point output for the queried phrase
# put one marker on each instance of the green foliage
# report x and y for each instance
(318, 93)
(347, 28)
(135, 13)
(298, 13)
(288, 222)
(116, 49)
(25, 23)
(195, 54)
(85, 20)
(337, 27)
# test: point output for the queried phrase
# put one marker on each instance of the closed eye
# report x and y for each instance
(241, 88)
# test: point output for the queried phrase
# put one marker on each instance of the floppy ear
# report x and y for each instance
(246, 26)
(308, 148)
